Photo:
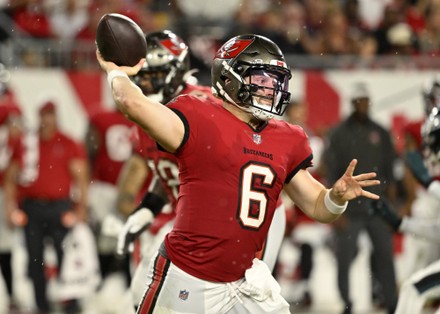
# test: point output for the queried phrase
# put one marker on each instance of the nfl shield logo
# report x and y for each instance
(183, 294)
(256, 138)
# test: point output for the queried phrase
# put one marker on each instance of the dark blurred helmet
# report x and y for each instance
(431, 95)
(252, 56)
(167, 62)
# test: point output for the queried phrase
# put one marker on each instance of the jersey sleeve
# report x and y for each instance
(137, 139)
(301, 155)
(185, 106)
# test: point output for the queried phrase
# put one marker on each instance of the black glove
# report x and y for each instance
(384, 211)
(415, 163)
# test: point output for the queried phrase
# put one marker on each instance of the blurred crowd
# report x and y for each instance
(361, 28)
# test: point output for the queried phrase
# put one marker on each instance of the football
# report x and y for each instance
(120, 40)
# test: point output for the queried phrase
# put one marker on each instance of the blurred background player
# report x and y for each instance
(38, 191)
(424, 283)
(108, 146)
(418, 252)
(359, 136)
(10, 141)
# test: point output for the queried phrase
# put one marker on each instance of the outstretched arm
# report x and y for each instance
(325, 205)
(157, 120)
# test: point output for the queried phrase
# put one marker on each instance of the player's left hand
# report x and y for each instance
(107, 66)
(349, 187)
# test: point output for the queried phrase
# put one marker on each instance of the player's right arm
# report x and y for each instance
(157, 120)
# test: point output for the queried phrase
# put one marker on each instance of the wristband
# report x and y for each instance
(153, 202)
(115, 73)
(434, 189)
(332, 206)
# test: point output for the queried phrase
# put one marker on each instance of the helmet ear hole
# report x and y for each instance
(243, 94)
(239, 69)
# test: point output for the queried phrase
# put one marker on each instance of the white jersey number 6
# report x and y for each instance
(253, 202)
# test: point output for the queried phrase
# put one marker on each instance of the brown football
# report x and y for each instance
(120, 40)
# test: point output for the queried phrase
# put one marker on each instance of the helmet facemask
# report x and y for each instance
(267, 92)
(151, 81)
(164, 71)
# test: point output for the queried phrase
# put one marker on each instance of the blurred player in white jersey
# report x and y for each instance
(418, 253)
(424, 283)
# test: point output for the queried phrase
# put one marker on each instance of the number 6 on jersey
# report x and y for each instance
(251, 195)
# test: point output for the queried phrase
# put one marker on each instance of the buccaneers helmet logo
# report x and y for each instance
(233, 48)
(174, 45)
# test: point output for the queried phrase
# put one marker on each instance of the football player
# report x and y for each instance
(165, 74)
(424, 284)
(419, 203)
(234, 160)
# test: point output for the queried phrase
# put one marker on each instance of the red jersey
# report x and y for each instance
(230, 182)
(113, 131)
(45, 172)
